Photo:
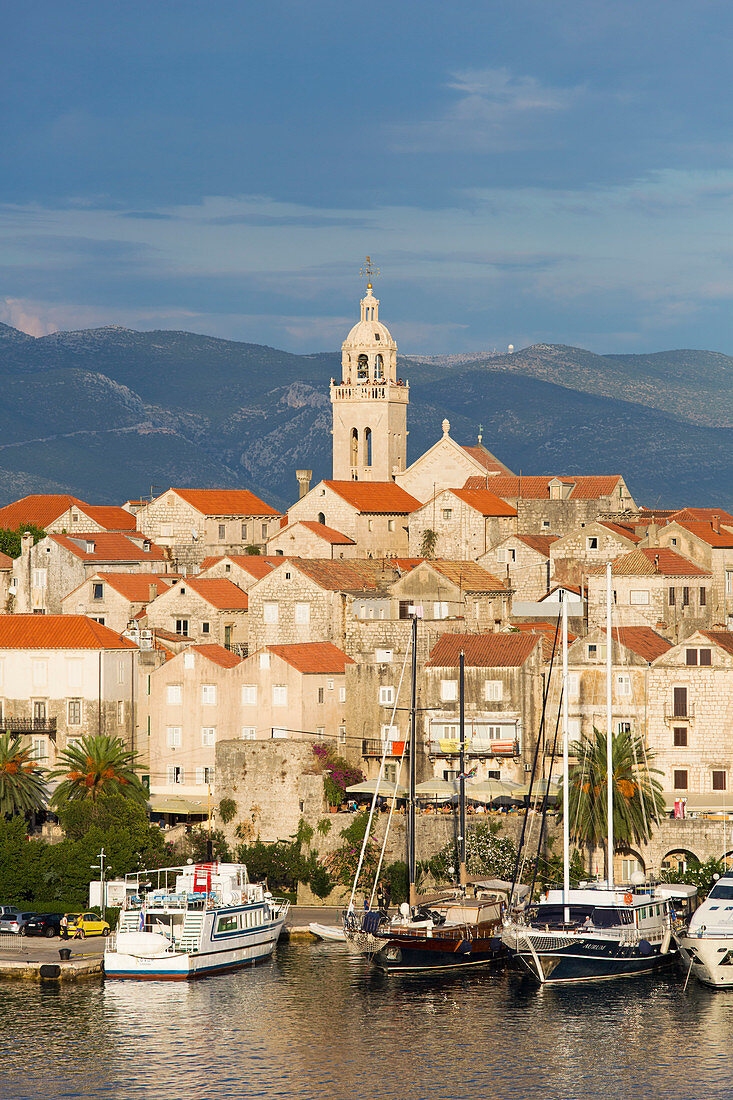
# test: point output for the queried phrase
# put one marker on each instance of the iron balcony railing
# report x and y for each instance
(29, 725)
(372, 746)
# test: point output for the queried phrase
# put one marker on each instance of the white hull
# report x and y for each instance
(327, 932)
(703, 956)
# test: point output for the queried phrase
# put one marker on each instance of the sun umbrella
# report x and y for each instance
(486, 790)
(539, 788)
(369, 786)
(437, 788)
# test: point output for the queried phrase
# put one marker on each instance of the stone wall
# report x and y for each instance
(464, 534)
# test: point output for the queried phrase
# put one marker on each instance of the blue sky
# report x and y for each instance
(521, 172)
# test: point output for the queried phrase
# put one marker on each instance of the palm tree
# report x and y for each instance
(22, 782)
(638, 801)
(98, 765)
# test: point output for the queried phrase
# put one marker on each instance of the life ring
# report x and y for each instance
(628, 898)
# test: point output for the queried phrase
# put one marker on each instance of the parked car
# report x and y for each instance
(90, 924)
(15, 923)
(8, 911)
(44, 924)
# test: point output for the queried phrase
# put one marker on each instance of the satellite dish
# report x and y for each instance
(510, 348)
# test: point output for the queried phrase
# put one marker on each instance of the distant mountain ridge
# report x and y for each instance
(113, 413)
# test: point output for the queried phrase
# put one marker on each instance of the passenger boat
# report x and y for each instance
(199, 919)
(706, 944)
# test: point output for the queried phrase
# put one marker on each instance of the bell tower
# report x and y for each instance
(370, 402)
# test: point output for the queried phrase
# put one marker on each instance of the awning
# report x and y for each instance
(720, 801)
(170, 804)
(369, 786)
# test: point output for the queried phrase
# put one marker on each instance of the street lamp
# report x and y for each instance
(100, 867)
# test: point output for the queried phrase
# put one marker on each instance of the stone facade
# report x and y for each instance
(452, 590)
(671, 604)
(299, 540)
(104, 597)
(464, 532)
(447, 465)
(376, 534)
(186, 610)
(707, 547)
(289, 606)
(591, 544)
(523, 565)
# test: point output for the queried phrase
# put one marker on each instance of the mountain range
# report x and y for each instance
(112, 413)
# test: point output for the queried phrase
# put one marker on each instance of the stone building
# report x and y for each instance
(45, 573)
(61, 514)
(375, 514)
(461, 523)
(309, 539)
(589, 545)
(190, 703)
(243, 569)
(448, 465)
(204, 609)
(113, 599)
(690, 719)
(557, 504)
(369, 403)
(522, 562)
(63, 677)
(653, 586)
(293, 691)
(196, 523)
(452, 590)
(709, 543)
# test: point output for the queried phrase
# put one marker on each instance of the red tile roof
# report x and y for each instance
(641, 640)
(225, 502)
(257, 565)
(482, 650)
(722, 539)
(485, 502)
(39, 509)
(375, 496)
(537, 486)
(6, 562)
(328, 534)
(723, 638)
(135, 586)
(540, 543)
(58, 632)
(706, 515)
(220, 592)
(621, 529)
(653, 560)
(110, 517)
(313, 657)
(546, 632)
(354, 575)
(218, 654)
(110, 546)
(468, 575)
(485, 458)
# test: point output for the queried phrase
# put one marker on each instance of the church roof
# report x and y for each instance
(485, 458)
(375, 496)
(485, 502)
(537, 486)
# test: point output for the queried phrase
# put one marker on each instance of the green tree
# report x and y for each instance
(98, 765)
(428, 543)
(22, 782)
(638, 801)
(10, 538)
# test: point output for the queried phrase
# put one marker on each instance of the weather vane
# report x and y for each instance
(369, 269)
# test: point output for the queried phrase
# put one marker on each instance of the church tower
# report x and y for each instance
(369, 403)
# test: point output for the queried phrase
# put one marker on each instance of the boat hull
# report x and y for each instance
(397, 957)
(703, 957)
(587, 959)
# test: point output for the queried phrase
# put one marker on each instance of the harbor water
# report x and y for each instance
(316, 1023)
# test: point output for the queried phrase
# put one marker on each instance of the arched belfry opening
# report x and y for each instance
(378, 368)
(354, 447)
(322, 518)
(362, 367)
(367, 446)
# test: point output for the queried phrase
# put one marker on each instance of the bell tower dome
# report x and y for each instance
(370, 402)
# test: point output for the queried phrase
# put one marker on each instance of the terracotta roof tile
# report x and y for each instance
(257, 565)
(641, 640)
(654, 560)
(722, 539)
(313, 657)
(225, 502)
(39, 509)
(375, 496)
(110, 517)
(622, 529)
(218, 655)
(482, 650)
(485, 502)
(468, 575)
(220, 592)
(354, 575)
(328, 534)
(546, 632)
(705, 515)
(58, 632)
(110, 546)
(540, 543)
(723, 638)
(485, 458)
(537, 486)
(6, 562)
(134, 586)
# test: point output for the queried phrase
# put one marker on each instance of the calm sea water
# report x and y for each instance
(315, 1023)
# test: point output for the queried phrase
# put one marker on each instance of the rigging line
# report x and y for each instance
(546, 799)
(376, 789)
(386, 830)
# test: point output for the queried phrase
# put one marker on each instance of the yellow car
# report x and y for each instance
(86, 924)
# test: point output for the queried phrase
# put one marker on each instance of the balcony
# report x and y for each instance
(479, 746)
(30, 725)
(670, 714)
(372, 746)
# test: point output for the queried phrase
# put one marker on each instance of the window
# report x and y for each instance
(208, 695)
(719, 780)
(706, 657)
(120, 672)
(173, 737)
(264, 660)
(573, 684)
(729, 583)
(440, 610)
(390, 525)
(188, 662)
(182, 627)
(591, 543)
(222, 532)
(386, 695)
(370, 525)
(264, 530)
(638, 597)
(671, 597)
(74, 672)
(320, 731)
(248, 733)
(270, 611)
(383, 656)
(97, 619)
(685, 597)
(244, 531)
(321, 695)
(40, 752)
(73, 712)
(182, 591)
(279, 695)
(691, 657)
(545, 523)
(302, 613)
(120, 712)
(448, 690)
(249, 695)
(40, 578)
(227, 567)
(174, 695)
(680, 779)
(623, 683)
(673, 542)
(208, 735)
(97, 591)
(390, 733)
(342, 695)
(40, 673)
(679, 737)
(596, 652)
(623, 727)
(206, 628)
(329, 685)
(176, 774)
(204, 776)
(703, 597)
(39, 710)
(342, 735)
(680, 702)
(447, 513)
(501, 556)
(493, 691)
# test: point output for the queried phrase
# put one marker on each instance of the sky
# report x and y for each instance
(520, 173)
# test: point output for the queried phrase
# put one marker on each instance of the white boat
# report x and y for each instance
(706, 945)
(200, 919)
(327, 932)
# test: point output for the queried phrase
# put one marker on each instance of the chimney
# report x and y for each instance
(152, 591)
(304, 482)
(26, 542)
(652, 531)
(716, 524)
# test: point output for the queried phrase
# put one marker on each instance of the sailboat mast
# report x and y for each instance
(462, 774)
(413, 754)
(609, 730)
(565, 769)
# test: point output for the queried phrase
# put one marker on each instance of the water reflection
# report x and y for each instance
(314, 1023)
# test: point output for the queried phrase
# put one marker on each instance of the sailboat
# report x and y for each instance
(599, 930)
(449, 930)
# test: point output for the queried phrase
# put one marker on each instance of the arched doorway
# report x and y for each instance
(679, 860)
(378, 368)
(626, 864)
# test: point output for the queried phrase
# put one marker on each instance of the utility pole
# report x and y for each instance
(462, 776)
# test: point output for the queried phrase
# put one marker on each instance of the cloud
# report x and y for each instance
(26, 316)
(495, 112)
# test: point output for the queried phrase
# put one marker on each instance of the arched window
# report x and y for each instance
(378, 368)
(354, 447)
(362, 367)
(322, 518)
(367, 446)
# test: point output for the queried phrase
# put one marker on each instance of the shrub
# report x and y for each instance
(396, 874)
(342, 863)
(324, 826)
(338, 774)
(487, 853)
(227, 810)
(198, 844)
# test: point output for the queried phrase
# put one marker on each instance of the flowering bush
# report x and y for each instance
(342, 864)
(487, 853)
(338, 774)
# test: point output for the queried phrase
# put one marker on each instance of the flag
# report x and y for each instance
(141, 926)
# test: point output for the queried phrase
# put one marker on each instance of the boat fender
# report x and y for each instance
(645, 947)
(666, 942)
(628, 898)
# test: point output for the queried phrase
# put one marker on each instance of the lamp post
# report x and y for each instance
(100, 867)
